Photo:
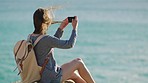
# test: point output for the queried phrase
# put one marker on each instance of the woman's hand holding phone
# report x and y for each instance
(75, 22)
(64, 24)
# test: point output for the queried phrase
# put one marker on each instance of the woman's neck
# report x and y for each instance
(33, 34)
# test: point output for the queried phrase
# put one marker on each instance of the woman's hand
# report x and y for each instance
(64, 24)
(75, 23)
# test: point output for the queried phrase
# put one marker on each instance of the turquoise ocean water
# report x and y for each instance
(112, 36)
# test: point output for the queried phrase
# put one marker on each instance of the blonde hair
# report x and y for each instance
(41, 21)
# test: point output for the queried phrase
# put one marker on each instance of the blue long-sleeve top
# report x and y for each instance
(47, 43)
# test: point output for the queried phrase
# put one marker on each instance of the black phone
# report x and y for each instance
(70, 19)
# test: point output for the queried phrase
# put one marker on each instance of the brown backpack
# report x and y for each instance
(26, 60)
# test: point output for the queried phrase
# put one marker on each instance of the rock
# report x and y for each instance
(67, 81)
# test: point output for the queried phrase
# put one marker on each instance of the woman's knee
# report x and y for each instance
(79, 61)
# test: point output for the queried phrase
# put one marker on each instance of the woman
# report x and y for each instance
(52, 73)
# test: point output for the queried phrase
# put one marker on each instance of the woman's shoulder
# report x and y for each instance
(48, 38)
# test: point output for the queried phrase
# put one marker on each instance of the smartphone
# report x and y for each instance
(70, 19)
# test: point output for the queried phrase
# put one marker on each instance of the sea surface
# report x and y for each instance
(112, 36)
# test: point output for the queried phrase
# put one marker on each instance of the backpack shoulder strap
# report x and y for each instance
(38, 39)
